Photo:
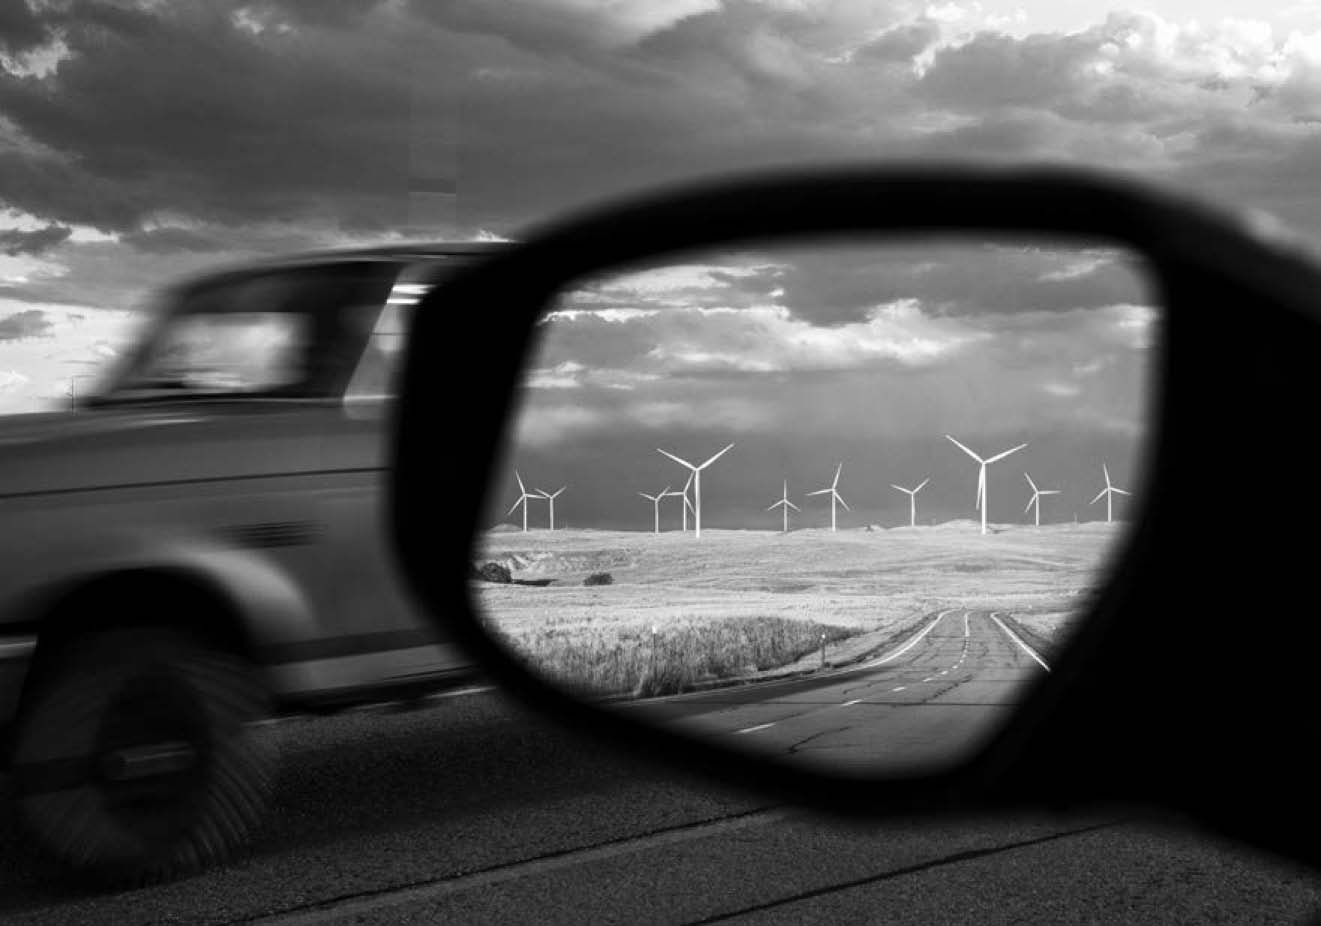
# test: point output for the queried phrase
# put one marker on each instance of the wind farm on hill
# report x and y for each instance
(672, 613)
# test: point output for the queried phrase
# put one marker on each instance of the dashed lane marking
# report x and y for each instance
(760, 726)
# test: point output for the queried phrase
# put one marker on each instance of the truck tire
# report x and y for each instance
(134, 759)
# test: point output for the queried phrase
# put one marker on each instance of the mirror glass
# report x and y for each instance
(835, 502)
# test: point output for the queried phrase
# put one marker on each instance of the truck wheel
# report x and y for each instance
(134, 759)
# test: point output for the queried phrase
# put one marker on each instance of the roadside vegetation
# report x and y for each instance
(610, 658)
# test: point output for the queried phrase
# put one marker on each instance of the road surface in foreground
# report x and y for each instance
(473, 810)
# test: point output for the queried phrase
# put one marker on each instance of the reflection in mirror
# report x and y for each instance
(834, 503)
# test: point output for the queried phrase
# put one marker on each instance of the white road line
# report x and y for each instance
(760, 726)
(928, 679)
(966, 615)
(358, 907)
(851, 703)
(1013, 636)
(900, 688)
(460, 692)
(913, 642)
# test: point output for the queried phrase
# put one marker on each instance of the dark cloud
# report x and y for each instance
(26, 324)
(21, 30)
(192, 116)
(171, 239)
(179, 110)
(14, 242)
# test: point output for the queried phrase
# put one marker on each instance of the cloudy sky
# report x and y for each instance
(860, 353)
(141, 139)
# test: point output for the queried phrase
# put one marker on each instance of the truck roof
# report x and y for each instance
(404, 251)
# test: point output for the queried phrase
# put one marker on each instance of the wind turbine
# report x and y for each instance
(697, 484)
(786, 505)
(655, 503)
(981, 475)
(912, 500)
(834, 496)
(523, 497)
(550, 497)
(1036, 497)
(1109, 492)
(687, 502)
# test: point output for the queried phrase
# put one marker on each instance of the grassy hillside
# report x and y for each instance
(742, 603)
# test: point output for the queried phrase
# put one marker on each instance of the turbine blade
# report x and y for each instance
(792, 505)
(1049, 492)
(714, 458)
(820, 492)
(1120, 491)
(773, 507)
(840, 498)
(1030, 482)
(965, 449)
(920, 484)
(1028, 506)
(838, 470)
(520, 482)
(689, 483)
(676, 459)
(1001, 456)
(900, 488)
(513, 508)
(1105, 469)
(1099, 496)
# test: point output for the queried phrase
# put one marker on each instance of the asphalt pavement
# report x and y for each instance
(475, 810)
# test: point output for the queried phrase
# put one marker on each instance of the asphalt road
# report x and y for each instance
(473, 810)
(932, 698)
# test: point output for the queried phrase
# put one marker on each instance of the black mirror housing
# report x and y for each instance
(1144, 707)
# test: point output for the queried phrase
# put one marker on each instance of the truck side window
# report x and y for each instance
(374, 378)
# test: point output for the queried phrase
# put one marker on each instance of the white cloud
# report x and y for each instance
(771, 339)
(625, 21)
(77, 342)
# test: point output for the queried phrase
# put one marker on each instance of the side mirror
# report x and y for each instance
(1202, 325)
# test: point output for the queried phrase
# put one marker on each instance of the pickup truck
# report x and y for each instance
(199, 544)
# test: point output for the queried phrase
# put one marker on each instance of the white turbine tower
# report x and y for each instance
(550, 497)
(655, 504)
(1036, 497)
(1109, 492)
(785, 504)
(697, 484)
(523, 498)
(687, 502)
(834, 496)
(912, 500)
(981, 474)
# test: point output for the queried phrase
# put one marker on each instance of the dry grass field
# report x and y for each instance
(744, 603)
